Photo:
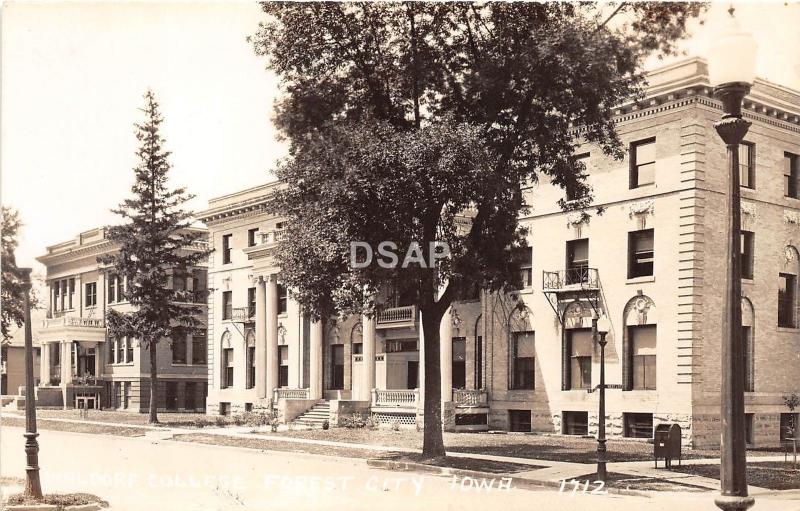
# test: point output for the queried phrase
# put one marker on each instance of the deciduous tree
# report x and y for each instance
(419, 122)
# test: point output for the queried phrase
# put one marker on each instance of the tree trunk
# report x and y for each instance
(432, 440)
(153, 418)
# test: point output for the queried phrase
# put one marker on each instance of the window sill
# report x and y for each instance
(283, 315)
(787, 329)
(122, 364)
(640, 280)
(747, 281)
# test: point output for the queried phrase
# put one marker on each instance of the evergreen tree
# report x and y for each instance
(155, 240)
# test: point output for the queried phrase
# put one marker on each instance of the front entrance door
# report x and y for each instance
(413, 375)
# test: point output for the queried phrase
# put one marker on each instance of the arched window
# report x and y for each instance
(788, 289)
(226, 361)
(639, 351)
(748, 346)
(521, 350)
(577, 346)
(250, 356)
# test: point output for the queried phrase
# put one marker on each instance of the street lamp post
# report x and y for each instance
(33, 486)
(731, 70)
(602, 326)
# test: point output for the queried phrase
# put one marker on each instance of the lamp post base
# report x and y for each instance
(734, 503)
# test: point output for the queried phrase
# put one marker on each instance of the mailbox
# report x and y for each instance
(667, 444)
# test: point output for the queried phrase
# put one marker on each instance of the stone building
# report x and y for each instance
(649, 254)
(82, 366)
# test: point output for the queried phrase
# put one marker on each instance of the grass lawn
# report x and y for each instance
(774, 475)
(255, 442)
(546, 447)
(169, 419)
(76, 427)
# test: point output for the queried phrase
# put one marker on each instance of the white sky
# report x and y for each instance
(73, 76)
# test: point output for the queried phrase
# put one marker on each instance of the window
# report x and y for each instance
(227, 305)
(789, 425)
(747, 165)
(128, 350)
(190, 396)
(580, 341)
(251, 367)
(252, 234)
(226, 248)
(251, 302)
(199, 348)
(227, 367)
(640, 253)
(224, 408)
(459, 369)
(91, 294)
(523, 260)
(112, 353)
(358, 348)
(479, 362)
(643, 356)
(643, 163)
(114, 289)
(791, 175)
(337, 367)
(572, 193)
(179, 349)
(71, 291)
(748, 354)
(786, 300)
(577, 261)
(638, 425)
(747, 254)
(523, 357)
(519, 421)
(283, 298)
(575, 423)
(748, 428)
(172, 395)
(283, 369)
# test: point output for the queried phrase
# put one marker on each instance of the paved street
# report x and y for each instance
(153, 474)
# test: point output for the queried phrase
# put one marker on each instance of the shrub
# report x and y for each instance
(372, 422)
(395, 425)
(325, 425)
(354, 421)
(221, 421)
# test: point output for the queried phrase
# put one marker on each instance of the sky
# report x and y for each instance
(73, 76)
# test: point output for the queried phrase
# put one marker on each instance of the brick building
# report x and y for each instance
(649, 255)
(81, 366)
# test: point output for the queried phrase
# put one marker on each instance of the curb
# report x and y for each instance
(518, 482)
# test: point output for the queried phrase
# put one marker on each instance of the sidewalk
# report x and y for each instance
(552, 473)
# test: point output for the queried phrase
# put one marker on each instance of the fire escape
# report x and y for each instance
(579, 284)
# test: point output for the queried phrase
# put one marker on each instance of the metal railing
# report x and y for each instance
(243, 314)
(73, 321)
(395, 398)
(580, 277)
(285, 393)
(470, 397)
(405, 314)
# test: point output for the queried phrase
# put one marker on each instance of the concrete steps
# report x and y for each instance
(315, 416)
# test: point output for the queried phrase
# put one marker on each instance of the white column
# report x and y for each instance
(368, 369)
(446, 355)
(261, 339)
(315, 360)
(44, 371)
(99, 349)
(78, 300)
(66, 361)
(272, 334)
(421, 366)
